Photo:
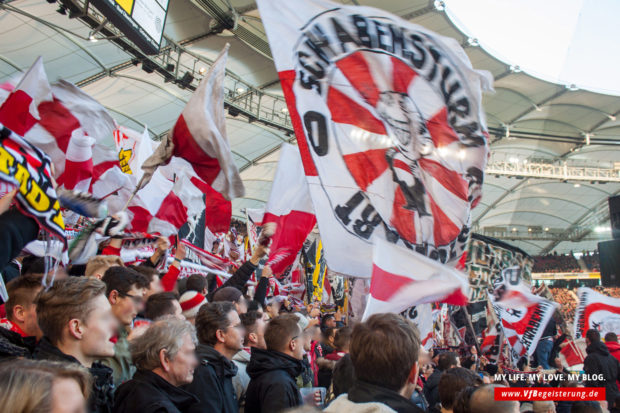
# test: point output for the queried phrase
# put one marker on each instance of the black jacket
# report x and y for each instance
(363, 392)
(102, 396)
(272, 385)
(431, 389)
(14, 345)
(16, 230)
(238, 279)
(599, 361)
(212, 383)
(149, 393)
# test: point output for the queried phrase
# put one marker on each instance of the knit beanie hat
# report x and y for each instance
(191, 301)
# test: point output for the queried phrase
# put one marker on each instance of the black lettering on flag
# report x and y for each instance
(316, 130)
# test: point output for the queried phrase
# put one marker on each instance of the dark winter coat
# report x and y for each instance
(431, 389)
(212, 383)
(272, 385)
(12, 344)
(237, 280)
(363, 392)
(149, 393)
(16, 230)
(599, 361)
(102, 395)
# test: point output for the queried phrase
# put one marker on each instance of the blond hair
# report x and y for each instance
(67, 299)
(26, 385)
(99, 263)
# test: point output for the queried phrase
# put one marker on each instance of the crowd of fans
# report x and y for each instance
(114, 338)
(588, 261)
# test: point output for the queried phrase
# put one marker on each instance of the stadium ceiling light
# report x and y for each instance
(572, 87)
(202, 70)
(240, 90)
(514, 229)
(588, 136)
(440, 5)
(577, 185)
(472, 41)
(92, 38)
(515, 68)
(284, 110)
(611, 117)
(546, 229)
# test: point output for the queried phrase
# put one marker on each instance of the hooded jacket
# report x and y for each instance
(365, 397)
(272, 385)
(614, 349)
(212, 383)
(102, 396)
(241, 380)
(599, 361)
(148, 392)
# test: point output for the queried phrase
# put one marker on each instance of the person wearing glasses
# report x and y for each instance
(220, 337)
(125, 289)
(273, 371)
(77, 324)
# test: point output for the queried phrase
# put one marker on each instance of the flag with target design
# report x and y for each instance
(390, 126)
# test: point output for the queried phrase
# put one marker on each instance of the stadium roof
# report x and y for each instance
(553, 145)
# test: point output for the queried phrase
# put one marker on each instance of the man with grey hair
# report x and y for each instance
(483, 401)
(165, 358)
(546, 406)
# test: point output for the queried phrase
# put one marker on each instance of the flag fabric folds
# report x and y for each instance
(29, 169)
(597, 311)
(290, 207)
(390, 127)
(199, 136)
(402, 278)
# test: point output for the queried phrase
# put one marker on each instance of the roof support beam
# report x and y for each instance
(498, 200)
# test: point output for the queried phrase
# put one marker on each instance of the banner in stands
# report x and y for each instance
(29, 169)
(486, 258)
(523, 326)
(390, 126)
(597, 311)
(422, 316)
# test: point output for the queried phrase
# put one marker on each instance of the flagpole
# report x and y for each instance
(133, 194)
(473, 332)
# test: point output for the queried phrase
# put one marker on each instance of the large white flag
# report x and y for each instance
(390, 125)
(596, 311)
(402, 278)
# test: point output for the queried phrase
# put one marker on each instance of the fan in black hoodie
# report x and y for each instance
(600, 361)
(273, 371)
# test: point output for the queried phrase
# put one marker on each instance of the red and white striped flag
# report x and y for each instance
(290, 207)
(19, 111)
(199, 136)
(402, 278)
(573, 353)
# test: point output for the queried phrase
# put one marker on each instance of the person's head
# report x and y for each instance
(585, 407)
(29, 386)
(125, 289)
(328, 336)
(342, 340)
(592, 336)
(75, 315)
(384, 351)
(546, 406)
(454, 380)
(197, 282)
(306, 333)
(284, 335)
(218, 325)
(20, 307)
(33, 265)
(154, 281)
(611, 337)
(343, 377)
(234, 296)
(167, 349)
(254, 325)
(483, 401)
(162, 304)
(447, 360)
(191, 301)
(328, 321)
(97, 265)
(273, 306)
